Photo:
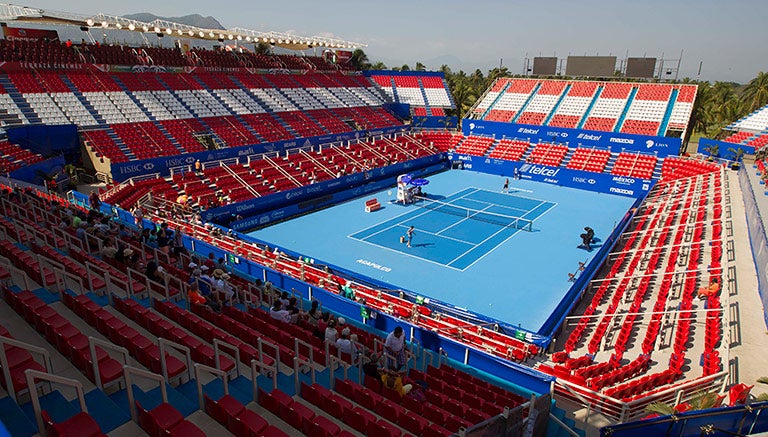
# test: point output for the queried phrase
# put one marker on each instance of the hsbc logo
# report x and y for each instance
(148, 166)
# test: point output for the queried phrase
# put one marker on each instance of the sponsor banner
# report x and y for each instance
(413, 73)
(706, 145)
(21, 33)
(297, 195)
(343, 56)
(598, 182)
(127, 170)
(615, 141)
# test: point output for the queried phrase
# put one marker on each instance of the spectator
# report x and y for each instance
(220, 284)
(278, 313)
(314, 314)
(210, 262)
(109, 249)
(220, 264)
(331, 334)
(346, 345)
(395, 346)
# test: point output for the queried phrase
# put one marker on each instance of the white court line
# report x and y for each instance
(480, 243)
(464, 219)
(553, 204)
(421, 231)
(494, 192)
(409, 255)
(400, 215)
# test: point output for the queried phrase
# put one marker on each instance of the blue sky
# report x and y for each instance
(728, 37)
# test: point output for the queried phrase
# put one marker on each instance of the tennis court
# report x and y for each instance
(514, 275)
(460, 229)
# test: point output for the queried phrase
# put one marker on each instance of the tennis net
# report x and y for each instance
(475, 214)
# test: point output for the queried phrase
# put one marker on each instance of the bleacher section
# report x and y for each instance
(427, 94)
(636, 108)
(144, 115)
(623, 347)
(193, 369)
(13, 157)
(756, 122)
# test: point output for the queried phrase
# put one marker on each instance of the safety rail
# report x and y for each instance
(129, 373)
(92, 343)
(166, 346)
(350, 158)
(5, 344)
(199, 369)
(317, 163)
(621, 411)
(282, 171)
(218, 345)
(397, 147)
(239, 179)
(35, 375)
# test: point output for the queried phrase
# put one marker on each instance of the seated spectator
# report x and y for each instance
(220, 284)
(210, 262)
(394, 381)
(109, 249)
(278, 313)
(314, 314)
(711, 290)
(330, 332)
(346, 345)
(296, 312)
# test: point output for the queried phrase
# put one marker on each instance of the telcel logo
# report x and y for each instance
(535, 169)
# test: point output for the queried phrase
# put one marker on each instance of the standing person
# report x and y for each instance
(505, 188)
(198, 167)
(517, 173)
(409, 235)
(395, 346)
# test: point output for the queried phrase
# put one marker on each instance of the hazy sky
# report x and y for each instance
(727, 37)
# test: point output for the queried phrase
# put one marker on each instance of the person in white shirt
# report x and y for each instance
(395, 346)
(345, 345)
(278, 313)
(330, 332)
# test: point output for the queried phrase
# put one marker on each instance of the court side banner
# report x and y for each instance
(706, 145)
(615, 141)
(583, 180)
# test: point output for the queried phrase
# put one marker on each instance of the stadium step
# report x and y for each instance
(21, 102)
(83, 100)
(527, 101)
(557, 104)
(668, 112)
(493, 103)
(624, 112)
(591, 105)
(15, 420)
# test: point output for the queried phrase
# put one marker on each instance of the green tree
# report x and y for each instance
(405, 67)
(420, 67)
(359, 60)
(378, 65)
(756, 92)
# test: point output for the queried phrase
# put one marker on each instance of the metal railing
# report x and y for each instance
(35, 375)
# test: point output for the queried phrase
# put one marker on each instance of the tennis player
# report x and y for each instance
(409, 234)
(505, 188)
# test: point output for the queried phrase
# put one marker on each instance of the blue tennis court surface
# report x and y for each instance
(460, 229)
(514, 275)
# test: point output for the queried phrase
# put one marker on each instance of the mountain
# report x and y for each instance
(195, 20)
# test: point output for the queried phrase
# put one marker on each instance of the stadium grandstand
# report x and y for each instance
(154, 300)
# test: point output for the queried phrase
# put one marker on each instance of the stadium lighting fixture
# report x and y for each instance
(211, 34)
(145, 28)
(104, 24)
(239, 37)
(221, 36)
(157, 29)
(131, 27)
(168, 31)
(190, 33)
(272, 40)
(230, 36)
(119, 26)
(280, 41)
(264, 39)
(89, 22)
(248, 38)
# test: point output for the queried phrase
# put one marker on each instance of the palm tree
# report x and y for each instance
(464, 96)
(378, 65)
(420, 67)
(359, 60)
(756, 92)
